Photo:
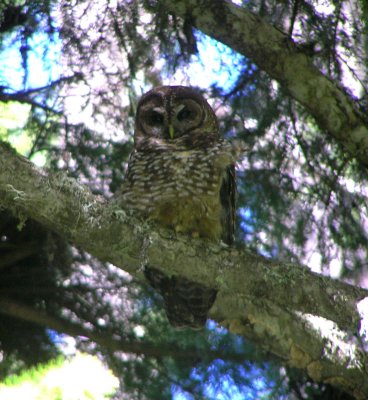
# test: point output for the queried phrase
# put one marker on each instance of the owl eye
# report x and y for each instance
(155, 118)
(185, 113)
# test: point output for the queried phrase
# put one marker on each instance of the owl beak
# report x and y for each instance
(171, 131)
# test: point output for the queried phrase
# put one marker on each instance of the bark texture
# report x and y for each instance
(306, 319)
(277, 54)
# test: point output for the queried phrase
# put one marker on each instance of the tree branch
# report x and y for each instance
(27, 96)
(277, 54)
(108, 340)
(23, 98)
(284, 307)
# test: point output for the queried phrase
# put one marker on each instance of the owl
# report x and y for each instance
(181, 175)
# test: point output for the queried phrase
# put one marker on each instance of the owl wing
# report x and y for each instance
(227, 198)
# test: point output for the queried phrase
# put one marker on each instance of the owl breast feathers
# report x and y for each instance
(181, 174)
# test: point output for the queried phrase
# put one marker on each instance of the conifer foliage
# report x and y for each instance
(295, 90)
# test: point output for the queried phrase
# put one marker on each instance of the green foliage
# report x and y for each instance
(57, 380)
(33, 374)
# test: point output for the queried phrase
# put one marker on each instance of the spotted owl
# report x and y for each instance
(181, 174)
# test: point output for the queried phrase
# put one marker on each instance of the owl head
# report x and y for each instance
(176, 114)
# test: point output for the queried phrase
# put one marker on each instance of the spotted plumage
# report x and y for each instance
(181, 174)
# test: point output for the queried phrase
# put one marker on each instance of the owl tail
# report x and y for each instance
(186, 303)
